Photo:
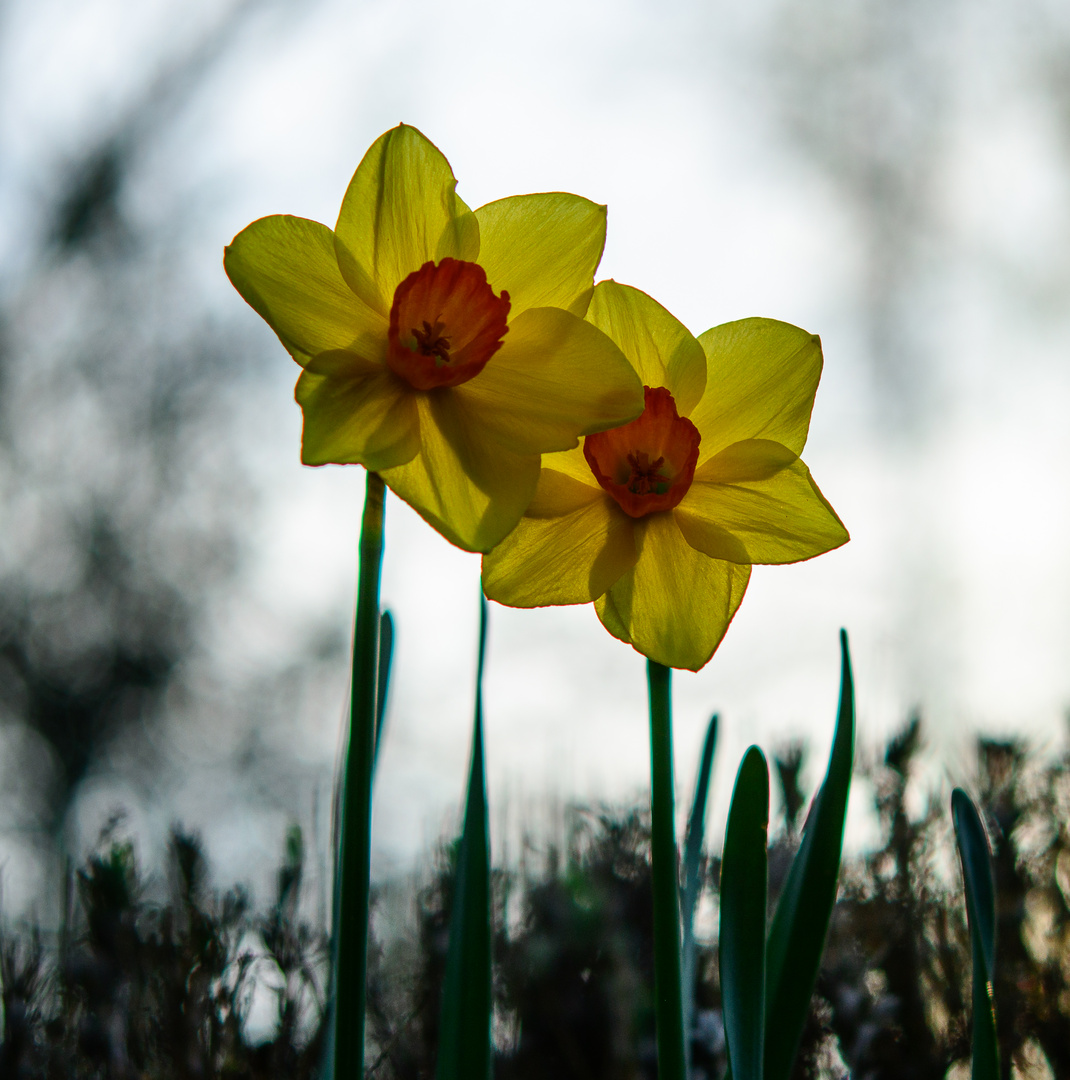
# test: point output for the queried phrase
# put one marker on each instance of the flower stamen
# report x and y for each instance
(432, 342)
(646, 477)
(463, 322)
(647, 465)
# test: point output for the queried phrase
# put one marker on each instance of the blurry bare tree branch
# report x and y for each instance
(865, 89)
(875, 94)
(123, 510)
(86, 207)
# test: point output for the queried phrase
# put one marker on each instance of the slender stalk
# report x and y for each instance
(692, 880)
(355, 813)
(464, 1046)
(668, 1000)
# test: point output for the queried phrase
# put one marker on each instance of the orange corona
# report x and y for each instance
(647, 465)
(445, 324)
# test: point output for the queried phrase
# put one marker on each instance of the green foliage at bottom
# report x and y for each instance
(800, 924)
(744, 879)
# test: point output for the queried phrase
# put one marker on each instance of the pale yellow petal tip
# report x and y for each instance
(838, 534)
(686, 656)
(404, 130)
(753, 325)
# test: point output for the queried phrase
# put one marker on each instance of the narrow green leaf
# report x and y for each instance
(344, 1052)
(696, 825)
(692, 884)
(744, 894)
(386, 654)
(981, 914)
(464, 1051)
(668, 1001)
(800, 925)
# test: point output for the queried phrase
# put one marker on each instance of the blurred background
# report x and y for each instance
(176, 589)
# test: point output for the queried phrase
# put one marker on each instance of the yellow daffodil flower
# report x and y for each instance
(658, 521)
(442, 348)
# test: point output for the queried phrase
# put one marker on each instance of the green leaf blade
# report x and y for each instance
(692, 884)
(800, 925)
(465, 1033)
(981, 915)
(744, 890)
(696, 825)
(386, 655)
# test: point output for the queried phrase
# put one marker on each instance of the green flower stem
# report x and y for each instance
(354, 855)
(668, 1000)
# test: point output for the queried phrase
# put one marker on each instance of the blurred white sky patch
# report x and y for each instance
(749, 169)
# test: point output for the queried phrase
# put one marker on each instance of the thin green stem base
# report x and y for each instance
(668, 998)
(353, 868)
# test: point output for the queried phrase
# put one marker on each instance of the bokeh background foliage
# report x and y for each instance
(181, 979)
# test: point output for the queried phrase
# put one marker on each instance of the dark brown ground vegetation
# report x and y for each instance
(152, 983)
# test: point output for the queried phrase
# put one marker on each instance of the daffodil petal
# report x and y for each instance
(401, 210)
(368, 417)
(542, 249)
(343, 364)
(661, 349)
(286, 270)
(606, 609)
(751, 459)
(675, 604)
(775, 515)
(463, 482)
(711, 539)
(555, 378)
(761, 379)
(573, 464)
(571, 544)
